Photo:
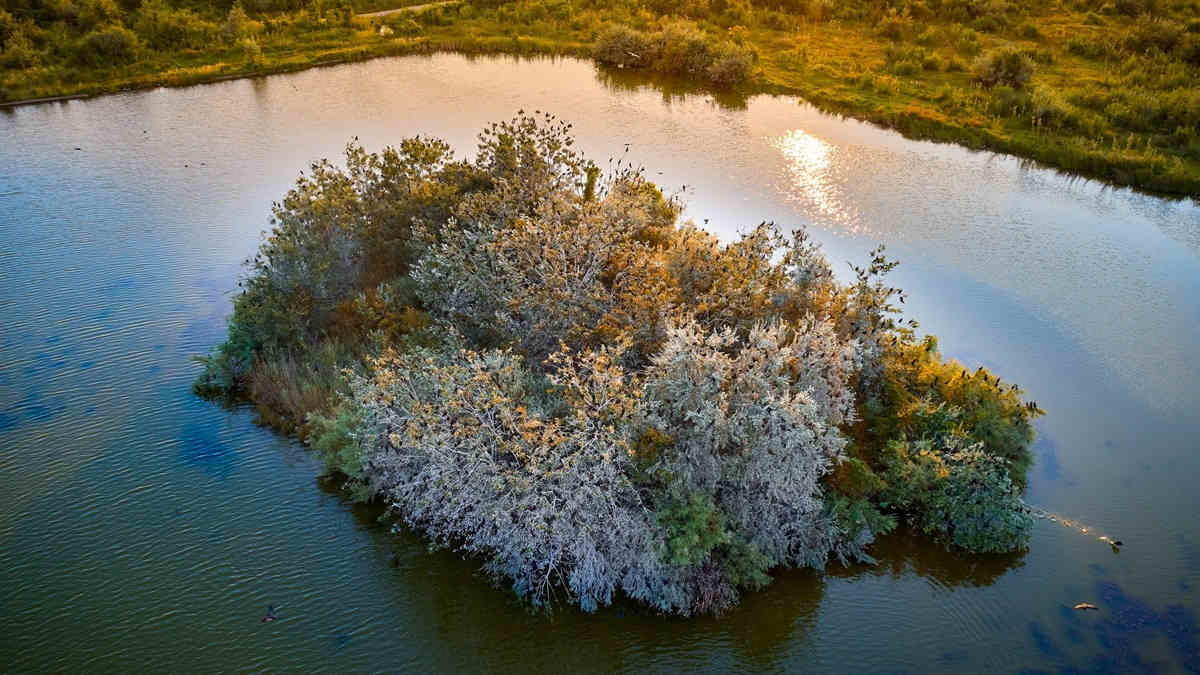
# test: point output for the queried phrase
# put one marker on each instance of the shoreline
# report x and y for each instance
(910, 123)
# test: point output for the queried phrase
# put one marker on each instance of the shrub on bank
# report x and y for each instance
(1007, 67)
(113, 45)
(681, 49)
(622, 46)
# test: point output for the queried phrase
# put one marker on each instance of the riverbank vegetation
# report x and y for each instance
(1101, 88)
(535, 362)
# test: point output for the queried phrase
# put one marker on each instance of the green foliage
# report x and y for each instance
(926, 397)
(694, 527)
(333, 436)
(163, 27)
(963, 496)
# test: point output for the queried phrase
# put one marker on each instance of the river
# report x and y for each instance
(142, 528)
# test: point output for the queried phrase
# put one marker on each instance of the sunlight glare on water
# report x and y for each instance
(812, 185)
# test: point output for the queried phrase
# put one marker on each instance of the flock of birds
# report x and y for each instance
(1116, 544)
(186, 166)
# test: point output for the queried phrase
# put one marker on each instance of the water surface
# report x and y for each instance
(143, 528)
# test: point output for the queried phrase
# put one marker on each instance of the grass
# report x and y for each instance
(1112, 97)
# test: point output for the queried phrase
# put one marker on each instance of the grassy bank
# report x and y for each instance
(1099, 89)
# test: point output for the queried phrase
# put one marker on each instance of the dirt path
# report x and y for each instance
(413, 8)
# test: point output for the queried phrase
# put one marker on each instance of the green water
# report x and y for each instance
(141, 528)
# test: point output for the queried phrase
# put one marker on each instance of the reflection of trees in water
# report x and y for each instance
(907, 552)
(446, 616)
(452, 618)
(673, 89)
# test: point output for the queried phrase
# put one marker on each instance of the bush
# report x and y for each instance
(1147, 34)
(962, 496)
(1007, 67)
(622, 46)
(685, 50)
(732, 65)
(1135, 7)
(287, 388)
(107, 47)
(461, 449)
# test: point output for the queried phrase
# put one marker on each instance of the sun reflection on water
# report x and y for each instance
(811, 180)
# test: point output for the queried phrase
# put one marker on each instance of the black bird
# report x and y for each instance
(271, 614)
(78, 148)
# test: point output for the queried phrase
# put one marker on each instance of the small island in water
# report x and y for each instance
(533, 361)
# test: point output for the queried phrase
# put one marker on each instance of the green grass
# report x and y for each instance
(1112, 96)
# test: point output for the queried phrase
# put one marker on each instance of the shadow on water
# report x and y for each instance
(905, 552)
(466, 611)
(200, 445)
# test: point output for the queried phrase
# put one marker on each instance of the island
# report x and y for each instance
(532, 360)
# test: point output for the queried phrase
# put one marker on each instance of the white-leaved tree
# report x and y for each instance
(546, 502)
(754, 428)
